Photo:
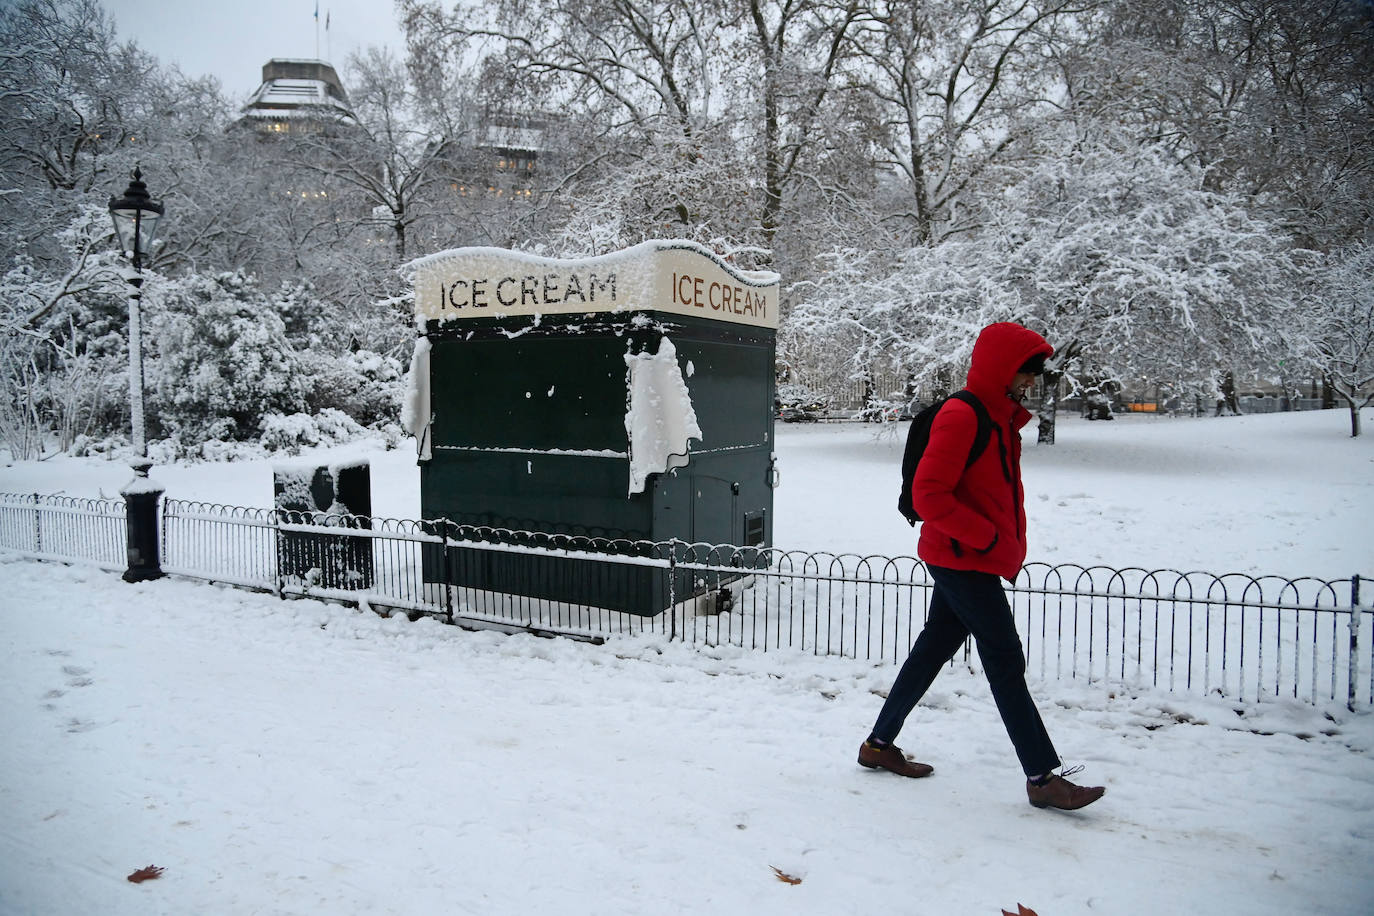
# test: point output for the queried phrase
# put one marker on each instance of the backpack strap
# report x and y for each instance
(984, 430)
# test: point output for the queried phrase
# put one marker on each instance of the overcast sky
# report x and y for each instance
(232, 40)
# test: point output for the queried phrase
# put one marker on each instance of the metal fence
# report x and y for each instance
(65, 528)
(1237, 636)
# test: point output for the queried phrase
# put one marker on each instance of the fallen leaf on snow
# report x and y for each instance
(145, 874)
(784, 877)
(1021, 910)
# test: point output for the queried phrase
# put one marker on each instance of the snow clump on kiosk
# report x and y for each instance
(659, 419)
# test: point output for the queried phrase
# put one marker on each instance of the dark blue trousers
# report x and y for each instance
(966, 603)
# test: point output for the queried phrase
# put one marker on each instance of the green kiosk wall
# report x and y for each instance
(556, 394)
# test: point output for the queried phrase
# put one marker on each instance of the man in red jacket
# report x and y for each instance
(973, 532)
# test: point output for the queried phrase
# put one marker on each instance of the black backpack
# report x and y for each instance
(918, 437)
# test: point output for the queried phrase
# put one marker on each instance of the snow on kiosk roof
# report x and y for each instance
(674, 276)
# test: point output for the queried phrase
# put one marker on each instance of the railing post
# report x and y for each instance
(37, 524)
(1356, 620)
(672, 589)
(278, 580)
(141, 496)
(447, 577)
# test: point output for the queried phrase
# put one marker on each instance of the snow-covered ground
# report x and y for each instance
(298, 757)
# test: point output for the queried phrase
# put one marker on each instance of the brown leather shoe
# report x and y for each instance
(890, 757)
(1062, 794)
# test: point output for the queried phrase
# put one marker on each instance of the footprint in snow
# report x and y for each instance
(77, 676)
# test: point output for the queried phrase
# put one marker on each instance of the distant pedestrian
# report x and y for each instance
(974, 531)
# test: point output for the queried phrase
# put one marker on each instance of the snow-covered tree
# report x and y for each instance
(1134, 186)
(338, 356)
(670, 187)
(653, 78)
(233, 363)
(958, 87)
(916, 316)
(1272, 99)
(62, 353)
(1342, 317)
(70, 95)
(1121, 250)
(1118, 255)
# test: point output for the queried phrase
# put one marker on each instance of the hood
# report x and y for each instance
(1000, 350)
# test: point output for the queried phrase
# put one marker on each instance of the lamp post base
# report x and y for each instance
(141, 497)
(142, 575)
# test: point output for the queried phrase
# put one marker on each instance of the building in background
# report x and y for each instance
(298, 96)
(501, 159)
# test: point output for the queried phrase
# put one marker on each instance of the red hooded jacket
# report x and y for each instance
(975, 519)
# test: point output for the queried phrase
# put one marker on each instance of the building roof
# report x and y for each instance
(299, 89)
(509, 137)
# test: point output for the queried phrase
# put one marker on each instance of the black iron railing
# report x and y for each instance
(1234, 635)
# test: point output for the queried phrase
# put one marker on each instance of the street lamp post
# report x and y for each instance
(135, 217)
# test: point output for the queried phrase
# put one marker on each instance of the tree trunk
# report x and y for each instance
(1350, 395)
(944, 384)
(1049, 408)
(772, 130)
(1049, 383)
(1228, 401)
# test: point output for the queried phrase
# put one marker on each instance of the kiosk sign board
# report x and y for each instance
(680, 278)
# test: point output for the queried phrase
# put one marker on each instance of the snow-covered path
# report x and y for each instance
(296, 757)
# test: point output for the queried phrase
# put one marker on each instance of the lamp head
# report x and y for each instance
(135, 217)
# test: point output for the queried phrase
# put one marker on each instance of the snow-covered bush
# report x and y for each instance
(793, 394)
(364, 385)
(233, 370)
(222, 361)
(346, 359)
(299, 430)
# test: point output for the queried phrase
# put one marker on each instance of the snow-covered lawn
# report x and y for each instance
(298, 757)
(1281, 494)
